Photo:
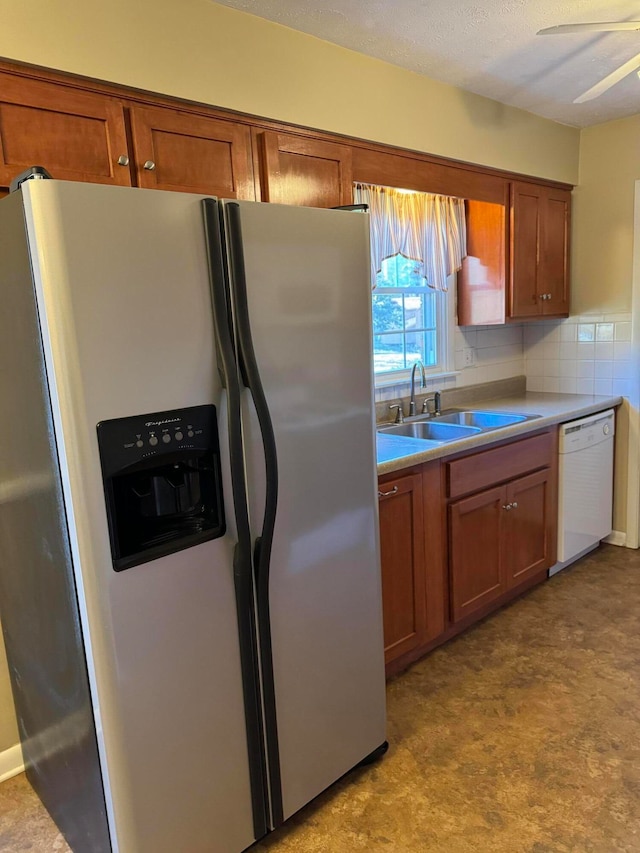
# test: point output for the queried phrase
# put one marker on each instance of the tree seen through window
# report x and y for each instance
(404, 316)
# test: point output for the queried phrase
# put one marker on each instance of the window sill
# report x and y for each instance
(405, 378)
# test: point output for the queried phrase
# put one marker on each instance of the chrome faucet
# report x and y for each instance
(412, 399)
(437, 407)
(399, 418)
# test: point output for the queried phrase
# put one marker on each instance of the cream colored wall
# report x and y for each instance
(602, 259)
(198, 50)
(603, 217)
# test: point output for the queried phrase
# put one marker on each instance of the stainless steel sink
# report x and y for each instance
(483, 420)
(454, 425)
(431, 430)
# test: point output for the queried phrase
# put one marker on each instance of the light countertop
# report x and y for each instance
(396, 452)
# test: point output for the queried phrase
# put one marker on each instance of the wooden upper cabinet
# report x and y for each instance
(482, 279)
(181, 151)
(76, 136)
(304, 171)
(539, 251)
(554, 259)
(537, 282)
(526, 213)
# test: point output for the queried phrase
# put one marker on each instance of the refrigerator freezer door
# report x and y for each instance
(309, 305)
(37, 592)
(123, 293)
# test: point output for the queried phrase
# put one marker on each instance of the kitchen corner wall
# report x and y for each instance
(590, 354)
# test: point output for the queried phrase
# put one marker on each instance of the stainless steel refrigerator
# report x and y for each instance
(189, 571)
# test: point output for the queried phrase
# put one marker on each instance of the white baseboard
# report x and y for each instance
(11, 762)
(616, 537)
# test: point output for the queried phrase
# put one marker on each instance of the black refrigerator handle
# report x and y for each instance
(262, 553)
(242, 556)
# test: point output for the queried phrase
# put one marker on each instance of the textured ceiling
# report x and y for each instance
(489, 47)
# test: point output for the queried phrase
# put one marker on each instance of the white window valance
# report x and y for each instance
(424, 227)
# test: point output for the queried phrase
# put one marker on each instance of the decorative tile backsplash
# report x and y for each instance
(580, 355)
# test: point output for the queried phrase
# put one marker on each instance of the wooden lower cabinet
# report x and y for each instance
(461, 537)
(502, 521)
(402, 558)
(499, 539)
(411, 559)
(475, 551)
(530, 527)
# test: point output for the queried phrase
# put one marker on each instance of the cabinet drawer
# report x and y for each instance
(484, 469)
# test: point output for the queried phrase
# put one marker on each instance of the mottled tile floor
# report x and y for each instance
(520, 736)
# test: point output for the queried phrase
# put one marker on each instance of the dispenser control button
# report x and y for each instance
(153, 441)
(139, 443)
(166, 438)
(179, 436)
(190, 433)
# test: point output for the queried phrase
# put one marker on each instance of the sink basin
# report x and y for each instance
(431, 430)
(483, 420)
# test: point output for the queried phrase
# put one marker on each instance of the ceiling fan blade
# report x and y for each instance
(590, 28)
(610, 80)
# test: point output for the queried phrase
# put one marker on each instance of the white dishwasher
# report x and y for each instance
(585, 486)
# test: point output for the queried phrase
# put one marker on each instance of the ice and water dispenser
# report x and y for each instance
(162, 483)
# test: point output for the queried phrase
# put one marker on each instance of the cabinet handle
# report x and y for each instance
(507, 506)
(386, 494)
(514, 505)
(123, 160)
(149, 165)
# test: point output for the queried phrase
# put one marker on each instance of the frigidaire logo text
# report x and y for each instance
(159, 423)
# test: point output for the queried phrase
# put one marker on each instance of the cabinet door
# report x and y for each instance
(190, 153)
(528, 535)
(539, 251)
(475, 552)
(482, 280)
(76, 136)
(402, 560)
(526, 212)
(553, 278)
(309, 172)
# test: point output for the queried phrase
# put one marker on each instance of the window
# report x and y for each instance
(409, 319)
(418, 241)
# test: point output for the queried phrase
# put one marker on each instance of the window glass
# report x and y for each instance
(405, 317)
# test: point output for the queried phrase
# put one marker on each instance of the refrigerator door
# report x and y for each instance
(308, 302)
(123, 295)
(37, 591)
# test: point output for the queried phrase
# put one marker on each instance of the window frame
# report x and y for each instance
(445, 328)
